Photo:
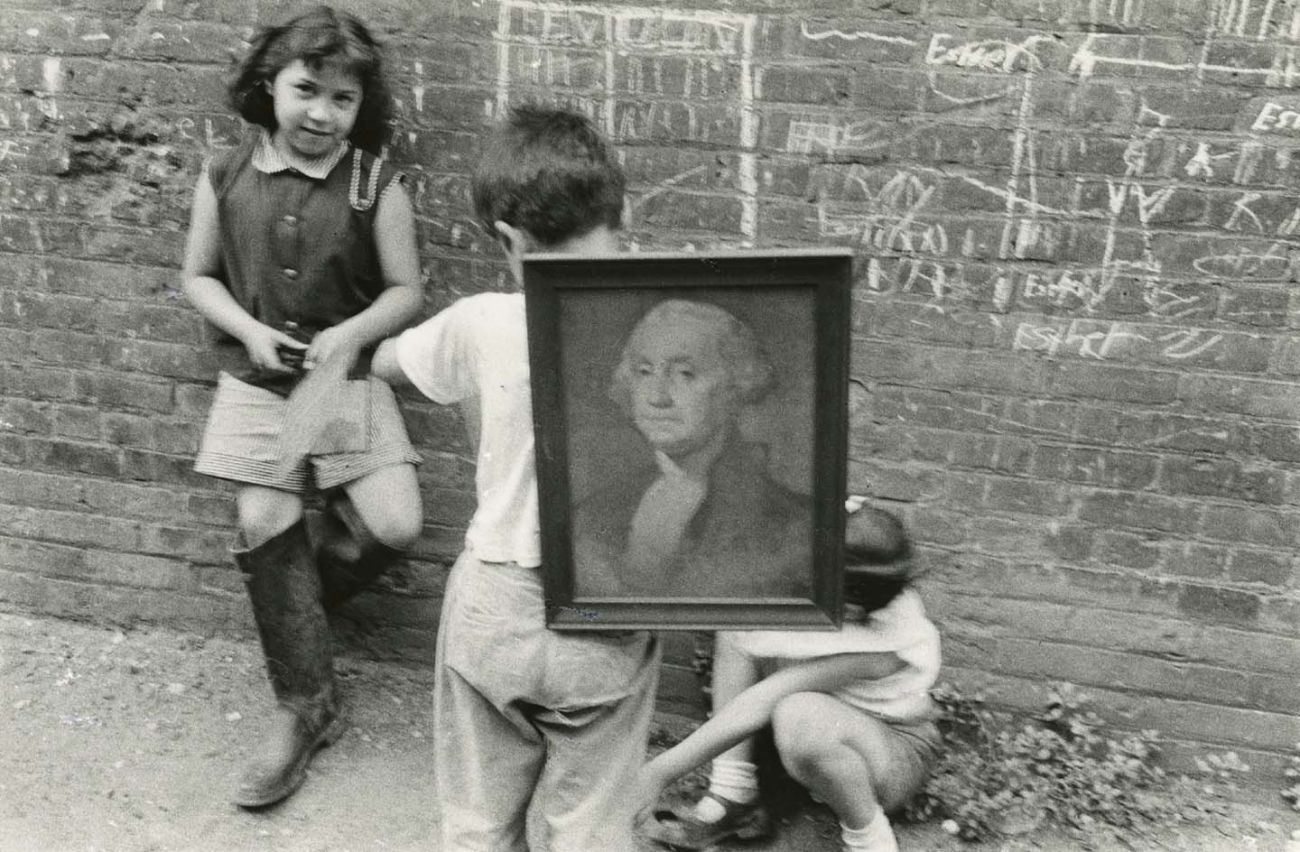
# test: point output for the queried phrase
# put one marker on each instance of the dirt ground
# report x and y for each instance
(114, 741)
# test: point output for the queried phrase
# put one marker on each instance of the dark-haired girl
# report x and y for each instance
(850, 711)
(302, 254)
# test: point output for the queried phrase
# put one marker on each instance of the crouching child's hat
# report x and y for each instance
(877, 558)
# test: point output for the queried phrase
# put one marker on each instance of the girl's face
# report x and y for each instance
(314, 109)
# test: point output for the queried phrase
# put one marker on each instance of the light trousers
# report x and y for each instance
(526, 716)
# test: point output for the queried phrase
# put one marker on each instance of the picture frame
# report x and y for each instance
(691, 427)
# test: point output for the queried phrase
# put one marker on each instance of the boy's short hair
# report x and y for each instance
(550, 172)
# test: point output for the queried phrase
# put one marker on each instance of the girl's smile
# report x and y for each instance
(315, 108)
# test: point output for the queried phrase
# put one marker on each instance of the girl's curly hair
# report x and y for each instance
(315, 37)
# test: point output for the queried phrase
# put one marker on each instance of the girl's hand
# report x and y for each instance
(263, 344)
(332, 343)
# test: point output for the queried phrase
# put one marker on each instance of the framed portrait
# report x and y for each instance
(690, 419)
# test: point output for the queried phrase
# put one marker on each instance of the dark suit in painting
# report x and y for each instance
(749, 537)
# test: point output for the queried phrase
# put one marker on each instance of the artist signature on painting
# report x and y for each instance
(581, 612)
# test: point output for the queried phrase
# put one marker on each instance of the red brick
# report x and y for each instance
(1257, 525)
(71, 528)
(1277, 442)
(1219, 604)
(1129, 550)
(1102, 468)
(1255, 307)
(91, 459)
(1139, 511)
(1237, 395)
(1118, 384)
(30, 488)
(692, 212)
(1025, 496)
(40, 558)
(1261, 566)
(852, 39)
(1198, 560)
(139, 571)
(44, 32)
(1220, 478)
(123, 391)
(71, 421)
(1070, 543)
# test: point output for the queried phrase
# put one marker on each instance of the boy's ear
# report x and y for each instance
(515, 241)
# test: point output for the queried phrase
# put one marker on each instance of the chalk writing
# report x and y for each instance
(988, 55)
(1243, 263)
(1256, 19)
(1275, 118)
(629, 51)
(1102, 340)
(1202, 162)
(857, 35)
(1089, 56)
(11, 150)
(1123, 12)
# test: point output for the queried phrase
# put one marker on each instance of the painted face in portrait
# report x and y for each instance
(683, 395)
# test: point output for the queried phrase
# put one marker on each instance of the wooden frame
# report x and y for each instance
(687, 478)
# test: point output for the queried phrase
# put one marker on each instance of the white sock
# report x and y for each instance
(736, 780)
(878, 836)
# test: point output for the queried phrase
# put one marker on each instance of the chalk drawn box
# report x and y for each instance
(690, 419)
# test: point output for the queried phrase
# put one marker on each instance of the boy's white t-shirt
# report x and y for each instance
(900, 628)
(476, 353)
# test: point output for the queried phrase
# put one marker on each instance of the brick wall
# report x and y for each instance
(1074, 349)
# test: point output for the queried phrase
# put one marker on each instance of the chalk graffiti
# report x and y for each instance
(1084, 339)
(1100, 340)
(856, 35)
(1092, 55)
(942, 282)
(1182, 344)
(1243, 263)
(1123, 12)
(1255, 19)
(11, 150)
(630, 51)
(987, 55)
(1241, 212)
(1275, 118)
(833, 136)
(1202, 162)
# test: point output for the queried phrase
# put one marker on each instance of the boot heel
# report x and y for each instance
(334, 731)
(755, 827)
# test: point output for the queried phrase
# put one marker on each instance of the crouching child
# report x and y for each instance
(850, 711)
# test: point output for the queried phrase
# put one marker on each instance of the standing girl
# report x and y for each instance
(302, 254)
(850, 711)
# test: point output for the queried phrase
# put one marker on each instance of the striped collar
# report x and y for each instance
(269, 159)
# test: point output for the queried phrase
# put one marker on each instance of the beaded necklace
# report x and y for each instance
(354, 189)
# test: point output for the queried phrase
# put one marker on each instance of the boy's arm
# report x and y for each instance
(401, 301)
(752, 709)
(208, 293)
(385, 366)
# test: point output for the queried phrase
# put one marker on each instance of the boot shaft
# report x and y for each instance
(285, 591)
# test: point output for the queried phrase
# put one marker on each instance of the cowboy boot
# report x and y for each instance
(285, 592)
(349, 558)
